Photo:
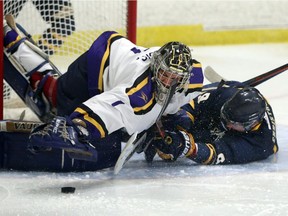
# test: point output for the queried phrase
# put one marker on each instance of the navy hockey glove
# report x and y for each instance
(180, 119)
(175, 144)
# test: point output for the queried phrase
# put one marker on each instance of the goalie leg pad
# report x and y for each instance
(62, 134)
(37, 102)
(21, 63)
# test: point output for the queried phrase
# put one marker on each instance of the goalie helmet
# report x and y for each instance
(171, 61)
(246, 108)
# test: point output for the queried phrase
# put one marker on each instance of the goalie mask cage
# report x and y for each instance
(65, 29)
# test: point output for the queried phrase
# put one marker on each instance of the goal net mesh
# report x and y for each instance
(64, 29)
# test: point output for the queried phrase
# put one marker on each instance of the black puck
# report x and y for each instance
(67, 189)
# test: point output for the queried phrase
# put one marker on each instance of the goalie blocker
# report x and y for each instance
(15, 154)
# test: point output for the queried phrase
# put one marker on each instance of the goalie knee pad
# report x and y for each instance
(11, 39)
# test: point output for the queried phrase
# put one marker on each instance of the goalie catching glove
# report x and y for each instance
(175, 144)
(63, 133)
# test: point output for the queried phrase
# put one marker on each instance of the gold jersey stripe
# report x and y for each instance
(139, 86)
(197, 65)
(91, 120)
(104, 59)
(212, 154)
(147, 105)
(192, 86)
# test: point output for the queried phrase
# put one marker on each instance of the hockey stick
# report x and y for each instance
(265, 76)
(18, 126)
(170, 94)
(133, 143)
(213, 76)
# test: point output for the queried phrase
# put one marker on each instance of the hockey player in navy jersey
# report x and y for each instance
(227, 124)
(114, 87)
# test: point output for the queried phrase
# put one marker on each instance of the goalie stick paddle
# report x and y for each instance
(213, 76)
(133, 143)
(129, 149)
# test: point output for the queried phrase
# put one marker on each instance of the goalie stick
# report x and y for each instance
(213, 76)
(133, 144)
(18, 126)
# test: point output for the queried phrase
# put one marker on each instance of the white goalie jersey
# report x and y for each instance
(120, 70)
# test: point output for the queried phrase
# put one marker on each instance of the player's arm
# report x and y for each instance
(232, 148)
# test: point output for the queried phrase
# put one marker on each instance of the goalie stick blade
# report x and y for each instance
(18, 126)
(212, 76)
(128, 151)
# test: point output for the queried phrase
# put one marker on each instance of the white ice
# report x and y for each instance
(180, 188)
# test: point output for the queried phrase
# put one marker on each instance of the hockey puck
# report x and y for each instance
(67, 190)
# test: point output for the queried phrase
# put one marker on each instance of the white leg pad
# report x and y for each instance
(29, 59)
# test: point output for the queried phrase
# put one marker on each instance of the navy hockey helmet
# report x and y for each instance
(246, 107)
(171, 61)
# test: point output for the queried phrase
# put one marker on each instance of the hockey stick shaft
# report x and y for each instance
(265, 76)
(167, 101)
(213, 76)
(134, 143)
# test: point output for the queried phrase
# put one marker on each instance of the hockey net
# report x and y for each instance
(64, 29)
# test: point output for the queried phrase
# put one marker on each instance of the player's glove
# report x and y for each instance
(175, 144)
(180, 119)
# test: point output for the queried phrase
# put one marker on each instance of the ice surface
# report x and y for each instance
(180, 188)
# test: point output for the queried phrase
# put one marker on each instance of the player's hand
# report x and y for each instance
(174, 145)
(180, 119)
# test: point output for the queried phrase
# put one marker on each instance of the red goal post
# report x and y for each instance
(1, 63)
(66, 30)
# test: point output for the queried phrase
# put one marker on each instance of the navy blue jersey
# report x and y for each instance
(217, 145)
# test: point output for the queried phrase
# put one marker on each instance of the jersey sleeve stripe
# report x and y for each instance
(95, 120)
(212, 155)
(146, 106)
(191, 117)
(138, 87)
(195, 86)
(197, 65)
(141, 94)
(196, 79)
(192, 104)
